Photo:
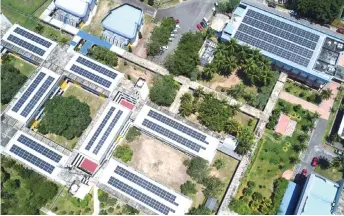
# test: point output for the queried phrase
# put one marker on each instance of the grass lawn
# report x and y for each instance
(302, 91)
(64, 205)
(69, 144)
(330, 173)
(111, 205)
(41, 9)
(25, 68)
(25, 6)
(244, 119)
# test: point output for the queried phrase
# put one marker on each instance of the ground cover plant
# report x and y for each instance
(103, 55)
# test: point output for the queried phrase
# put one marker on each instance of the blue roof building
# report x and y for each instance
(320, 196)
(290, 198)
(122, 24)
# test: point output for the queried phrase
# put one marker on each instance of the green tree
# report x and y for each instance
(11, 82)
(124, 153)
(65, 116)
(198, 169)
(246, 139)
(326, 94)
(39, 28)
(201, 210)
(226, 6)
(338, 162)
(128, 210)
(103, 55)
(213, 186)
(294, 160)
(132, 133)
(151, 2)
(188, 188)
(164, 91)
(219, 164)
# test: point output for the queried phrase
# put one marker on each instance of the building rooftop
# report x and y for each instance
(78, 8)
(290, 198)
(211, 203)
(218, 22)
(123, 20)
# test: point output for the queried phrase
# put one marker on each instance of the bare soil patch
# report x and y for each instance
(219, 81)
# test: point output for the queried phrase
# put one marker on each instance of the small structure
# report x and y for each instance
(285, 125)
(227, 33)
(290, 198)
(143, 88)
(122, 25)
(207, 52)
(79, 190)
(211, 203)
(218, 23)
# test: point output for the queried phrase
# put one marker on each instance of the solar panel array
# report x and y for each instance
(90, 76)
(146, 185)
(43, 89)
(26, 45)
(32, 37)
(97, 67)
(108, 131)
(28, 92)
(171, 135)
(139, 196)
(178, 126)
(32, 159)
(39, 148)
(100, 128)
(277, 37)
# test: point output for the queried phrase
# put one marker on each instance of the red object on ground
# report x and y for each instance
(282, 124)
(88, 165)
(177, 21)
(340, 30)
(304, 172)
(127, 104)
(315, 161)
(199, 27)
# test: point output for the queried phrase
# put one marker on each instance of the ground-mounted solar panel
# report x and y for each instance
(37, 96)
(132, 192)
(32, 37)
(178, 126)
(28, 92)
(96, 67)
(282, 25)
(146, 185)
(39, 148)
(171, 135)
(100, 128)
(90, 76)
(26, 45)
(107, 132)
(34, 160)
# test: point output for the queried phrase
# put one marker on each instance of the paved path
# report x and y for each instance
(47, 211)
(176, 103)
(96, 201)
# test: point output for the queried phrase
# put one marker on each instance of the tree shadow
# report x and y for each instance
(324, 163)
(240, 73)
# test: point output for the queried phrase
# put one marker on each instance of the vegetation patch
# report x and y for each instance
(103, 55)
(164, 90)
(124, 153)
(20, 193)
(65, 116)
(132, 133)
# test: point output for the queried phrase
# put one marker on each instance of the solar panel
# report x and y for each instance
(28, 92)
(32, 37)
(171, 135)
(96, 67)
(139, 196)
(91, 76)
(107, 132)
(37, 96)
(100, 128)
(39, 148)
(146, 184)
(26, 45)
(176, 125)
(32, 159)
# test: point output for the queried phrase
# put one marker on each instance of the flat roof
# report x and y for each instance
(38, 88)
(78, 8)
(124, 20)
(94, 72)
(143, 190)
(104, 131)
(177, 133)
(29, 41)
(37, 155)
(318, 196)
(281, 39)
(88, 165)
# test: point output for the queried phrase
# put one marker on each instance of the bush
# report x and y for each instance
(111, 210)
(201, 210)
(164, 91)
(103, 55)
(219, 164)
(130, 49)
(198, 169)
(213, 186)
(247, 192)
(251, 184)
(257, 196)
(188, 188)
(103, 196)
(11, 81)
(280, 186)
(132, 133)
(128, 210)
(151, 2)
(124, 153)
(140, 35)
(65, 116)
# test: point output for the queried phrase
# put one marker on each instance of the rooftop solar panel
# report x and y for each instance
(146, 185)
(100, 128)
(107, 132)
(90, 76)
(32, 37)
(176, 125)
(39, 148)
(43, 89)
(96, 67)
(32, 159)
(171, 135)
(26, 45)
(139, 196)
(28, 92)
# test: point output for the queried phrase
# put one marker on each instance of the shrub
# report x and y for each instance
(151, 2)
(11, 81)
(213, 186)
(219, 164)
(140, 35)
(247, 191)
(297, 108)
(251, 184)
(124, 153)
(111, 210)
(201, 210)
(132, 133)
(164, 91)
(103, 55)
(128, 210)
(257, 196)
(188, 188)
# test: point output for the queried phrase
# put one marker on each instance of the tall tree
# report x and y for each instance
(164, 91)
(326, 94)
(11, 82)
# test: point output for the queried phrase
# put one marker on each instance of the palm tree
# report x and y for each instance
(326, 94)
(338, 162)
(232, 127)
(265, 77)
(199, 91)
(187, 97)
(294, 160)
(186, 109)
(232, 47)
(209, 71)
(230, 65)
(221, 49)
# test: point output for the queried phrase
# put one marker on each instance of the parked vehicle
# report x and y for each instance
(199, 27)
(340, 30)
(304, 172)
(177, 26)
(272, 4)
(315, 161)
(175, 30)
(203, 24)
(164, 48)
(338, 152)
(172, 35)
(170, 39)
(205, 20)
(177, 21)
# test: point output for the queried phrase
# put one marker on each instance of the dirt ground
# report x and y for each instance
(104, 7)
(139, 49)
(159, 161)
(223, 82)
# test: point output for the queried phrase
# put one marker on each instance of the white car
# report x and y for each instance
(170, 39)
(177, 26)
(164, 48)
(172, 35)
(175, 30)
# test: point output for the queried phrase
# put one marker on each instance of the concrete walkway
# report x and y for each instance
(47, 211)
(176, 103)
(96, 202)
